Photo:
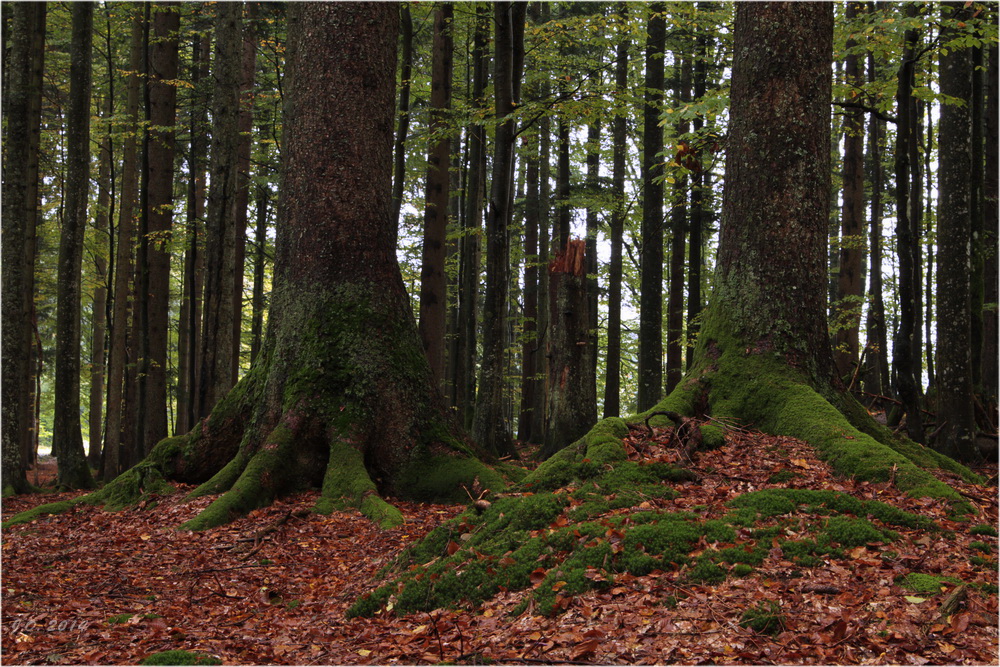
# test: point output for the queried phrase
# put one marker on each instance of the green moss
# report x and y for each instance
(926, 583)
(742, 570)
(27, 516)
(782, 476)
(712, 436)
(765, 617)
(745, 555)
(854, 532)
(982, 562)
(982, 546)
(706, 571)
(176, 657)
(119, 619)
(443, 477)
(381, 512)
(775, 502)
(223, 480)
(983, 529)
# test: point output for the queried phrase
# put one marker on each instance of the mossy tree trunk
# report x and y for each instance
(341, 395)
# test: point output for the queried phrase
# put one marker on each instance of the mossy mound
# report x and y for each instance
(176, 657)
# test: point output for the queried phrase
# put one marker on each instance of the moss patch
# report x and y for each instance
(775, 502)
(176, 657)
(765, 617)
(926, 583)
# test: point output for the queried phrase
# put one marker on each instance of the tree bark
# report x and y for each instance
(572, 397)
(403, 123)
(851, 282)
(954, 368)
(613, 363)
(590, 261)
(678, 234)
(651, 262)
(433, 286)
(67, 437)
(991, 335)
(215, 374)
(490, 427)
(529, 336)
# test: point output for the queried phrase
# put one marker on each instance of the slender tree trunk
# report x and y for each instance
(403, 122)
(114, 433)
(979, 250)
(904, 348)
(18, 217)
(678, 232)
(613, 363)
(470, 248)
(957, 436)
(67, 437)
(590, 263)
(99, 310)
(433, 285)
(851, 281)
(539, 418)
(159, 203)
(259, 268)
(651, 262)
(564, 213)
(490, 428)
(699, 185)
(247, 70)
(529, 337)
(216, 376)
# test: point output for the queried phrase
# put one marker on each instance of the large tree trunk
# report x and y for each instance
(955, 395)
(991, 335)
(651, 262)
(403, 123)
(342, 395)
(67, 437)
(433, 286)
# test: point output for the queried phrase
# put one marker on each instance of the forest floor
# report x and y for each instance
(95, 587)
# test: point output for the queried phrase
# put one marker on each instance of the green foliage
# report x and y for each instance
(855, 532)
(926, 583)
(983, 529)
(982, 546)
(765, 617)
(177, 657)
(776, 502)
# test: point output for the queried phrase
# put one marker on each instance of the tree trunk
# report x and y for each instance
(957, 436)
(590, 263)
(465, 397)
(572, 397)
(538, 410)
(259, 268)
(114, 432)
(216, 372)
(403, 123)
(67, 437)
(851, 281)
(159, 214)
(490, 427)
(564, 213)
(651, 262)
(977, 285)
(18, 214)
(342, 395)
(613, 363)
(529, 336)
(904, 347)
(991, 335)
(433, 285)
(678, 234)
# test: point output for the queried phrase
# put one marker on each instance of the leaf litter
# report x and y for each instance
(95, 587)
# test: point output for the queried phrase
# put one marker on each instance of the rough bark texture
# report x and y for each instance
(991, 225)
(99, 319)
(490, 426)
(651, 261)
(403, 123)
(215, 374)
(678, 237)
(67, 437)
(529, 336)
(159, 214)
(342, 395)
(593, 190)
(954, 367)
(433, 286)
(851, 281)
(572, 396)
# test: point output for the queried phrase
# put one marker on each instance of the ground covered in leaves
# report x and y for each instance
(778, 562)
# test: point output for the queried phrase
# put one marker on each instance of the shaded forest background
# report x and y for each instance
(141, 153)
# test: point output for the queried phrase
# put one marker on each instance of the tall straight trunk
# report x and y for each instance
(20, 176)
(590, 263)
(490, 428)
(916, 200)
(403, 122)
(929, 225)
(159, 209)
(102, 219)
(851, 280)
(545, 218)
(976, 284)
(990, 356)
(563, 212)
(259, 268)
(247, 69)
(877, 371)
(529, 339)
(67, 437)
(613, 362)
(904, 347)
(651, 261)
(114, 434)
(433, 285)
(216, 372)
(699, 185)
(189, 326)
(957, 437)
(455, 202)
(469, 250)
(678, 233)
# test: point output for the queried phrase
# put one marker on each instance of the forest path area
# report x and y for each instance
(95, 587)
